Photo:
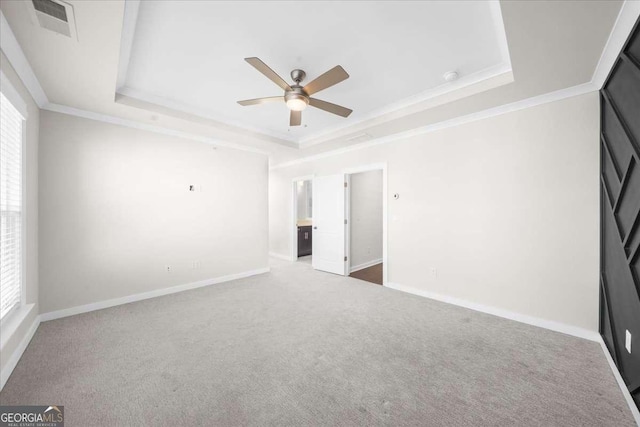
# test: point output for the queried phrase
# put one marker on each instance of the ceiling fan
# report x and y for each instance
(297, 97)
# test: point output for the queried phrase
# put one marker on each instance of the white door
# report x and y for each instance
(328, 244)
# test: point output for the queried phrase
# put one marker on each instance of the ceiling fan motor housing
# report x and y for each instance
(295, 96)
(298, 76)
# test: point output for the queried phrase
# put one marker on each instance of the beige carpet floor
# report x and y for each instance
(298, 347)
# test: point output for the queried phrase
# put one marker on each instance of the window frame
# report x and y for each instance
(12, 95)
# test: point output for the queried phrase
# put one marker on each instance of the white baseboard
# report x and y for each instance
(518, 317)
(17, 354)
(280, 256)
(146, 295)
(535, 321)
(623, 386)
(555, 326)
(365, 265)
(10, 325)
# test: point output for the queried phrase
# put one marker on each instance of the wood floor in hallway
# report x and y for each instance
(371, 274)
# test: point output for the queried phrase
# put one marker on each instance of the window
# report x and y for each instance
(11, 128)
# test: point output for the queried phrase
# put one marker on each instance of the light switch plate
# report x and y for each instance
(627, 341)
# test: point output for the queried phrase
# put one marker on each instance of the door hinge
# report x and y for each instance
(345, 185)
(345, 258)
(345, 221)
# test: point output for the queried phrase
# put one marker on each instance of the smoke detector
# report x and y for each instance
(451, 76)
(53, 15)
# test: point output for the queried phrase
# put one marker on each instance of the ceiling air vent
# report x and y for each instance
(54, 15)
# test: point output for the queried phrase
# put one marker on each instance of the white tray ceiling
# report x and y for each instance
(189, 56)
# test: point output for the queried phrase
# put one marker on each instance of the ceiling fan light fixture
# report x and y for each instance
(297, 97)
(297, 103)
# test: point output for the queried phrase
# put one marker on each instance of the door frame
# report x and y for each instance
(385, 253)
(294, 217)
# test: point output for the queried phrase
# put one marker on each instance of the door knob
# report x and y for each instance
(315, 228)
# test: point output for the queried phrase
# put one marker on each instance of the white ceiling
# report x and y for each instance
(553, 45)
(189, 56)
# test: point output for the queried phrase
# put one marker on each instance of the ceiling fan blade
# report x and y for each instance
(261, 100)
(271, 75)
(328, 79)
(331, 108)
(296, 118)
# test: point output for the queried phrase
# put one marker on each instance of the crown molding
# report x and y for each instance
(139, 99)
(628, 15)
(129, 21)
(477, 82)
(8, 90)
(12, 50)
(457, 121)
(482, 80)
(627, 18)
(134, 124)
(16, 57)
(498, 75)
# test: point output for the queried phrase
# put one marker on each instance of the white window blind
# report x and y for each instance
(11, 123)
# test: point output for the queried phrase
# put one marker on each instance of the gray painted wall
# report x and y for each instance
(116, 210)
(366, 218)
(505, 209)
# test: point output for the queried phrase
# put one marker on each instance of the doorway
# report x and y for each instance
(303, 219)
(365, 226)
(331, 225)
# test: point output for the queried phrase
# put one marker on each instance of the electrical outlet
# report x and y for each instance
(195, 265)
(627, 341)
(168, 268)
(434, 272)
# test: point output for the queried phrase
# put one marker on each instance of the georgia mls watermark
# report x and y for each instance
(31, 416)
